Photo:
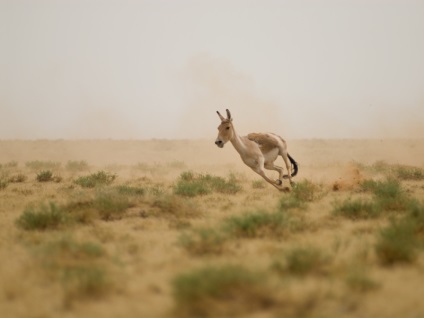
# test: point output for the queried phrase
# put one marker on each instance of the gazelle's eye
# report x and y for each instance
(227, 128)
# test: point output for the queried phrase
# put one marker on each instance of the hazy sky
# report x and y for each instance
(160, 69)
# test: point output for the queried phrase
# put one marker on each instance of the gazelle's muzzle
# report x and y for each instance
(219, 143)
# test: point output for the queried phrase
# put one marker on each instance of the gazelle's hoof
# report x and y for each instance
(278, 182)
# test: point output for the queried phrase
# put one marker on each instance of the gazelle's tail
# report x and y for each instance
(295, 167)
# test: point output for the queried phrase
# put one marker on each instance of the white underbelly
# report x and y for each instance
(271, 156)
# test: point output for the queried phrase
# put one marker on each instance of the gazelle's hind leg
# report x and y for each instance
(259, 169)
(288, 166)
(271, 166)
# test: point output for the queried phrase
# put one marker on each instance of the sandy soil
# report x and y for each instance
(143, 255)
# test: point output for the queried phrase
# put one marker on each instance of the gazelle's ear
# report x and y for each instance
(228, 115)
(220, 116)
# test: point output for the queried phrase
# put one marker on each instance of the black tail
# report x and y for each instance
(295, 167)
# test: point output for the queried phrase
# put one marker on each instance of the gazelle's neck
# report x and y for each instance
(238, 143)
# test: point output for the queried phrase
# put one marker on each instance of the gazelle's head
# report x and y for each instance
(225, 130)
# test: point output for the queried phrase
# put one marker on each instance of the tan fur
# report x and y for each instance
(257, 150)
(265, 141)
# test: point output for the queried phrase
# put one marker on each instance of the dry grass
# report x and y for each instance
(182, 229)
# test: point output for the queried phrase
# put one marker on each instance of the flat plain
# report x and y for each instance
(180, 228)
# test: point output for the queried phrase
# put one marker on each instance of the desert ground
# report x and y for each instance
(181, 228)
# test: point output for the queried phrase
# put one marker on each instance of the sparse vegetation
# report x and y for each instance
(302, 261)
(171, 205)
(18, 178)
(262, 224)
(38, 165)
(258, 184)
(225, 291)
(190, 184)
(45, 217)
(45, 176)
(249, 252)
(3, 184)
(80, 267)
(76, 166)
(302, 193)
(111, 205)
(397, 171)
(397, 243)
(203, 241)
(358, 280)
(305, 191)
(355, 209)
(132, 191)
(100, 178)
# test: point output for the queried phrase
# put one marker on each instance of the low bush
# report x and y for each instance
(18, 178)
(357, 209)
(305, 191)
(111, 205)
(131, 191)
(45, 217)
(304, 261)
(262, 224)
(100, 178)
(397, 243)
(190, 184)
(225, 291)
(44, 176)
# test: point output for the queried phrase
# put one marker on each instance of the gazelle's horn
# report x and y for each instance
(220, 116)
(228, 114)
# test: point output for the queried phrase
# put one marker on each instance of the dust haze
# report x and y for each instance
(160, 70)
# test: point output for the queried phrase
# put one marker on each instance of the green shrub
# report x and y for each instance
(44, 176)
(111, 205)
(261, 224)
(397, 243)
(190, 184)
(288, 202)
(409, 173)
(44, 218)
(100, 178)
(132, 191)
(357, 209)
(388, 194)
(305, 191)
(225, 291)
(303, 261)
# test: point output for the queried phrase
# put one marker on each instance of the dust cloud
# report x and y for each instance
(214, 84)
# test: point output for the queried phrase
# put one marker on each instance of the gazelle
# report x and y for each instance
(258, 150)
